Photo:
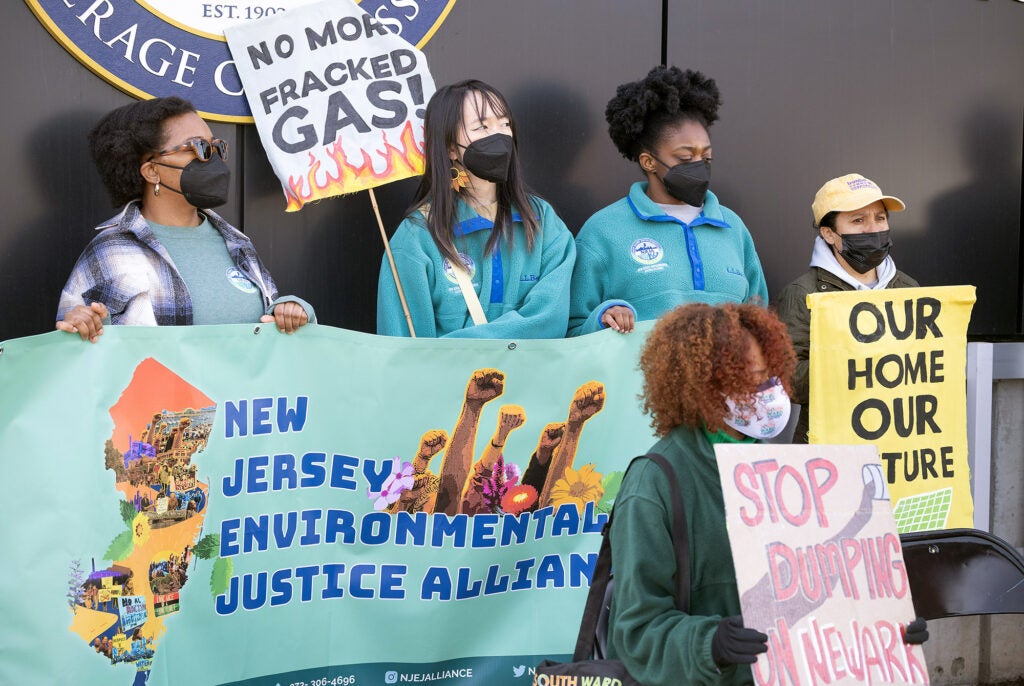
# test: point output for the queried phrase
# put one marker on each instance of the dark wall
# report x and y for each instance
(923, 96)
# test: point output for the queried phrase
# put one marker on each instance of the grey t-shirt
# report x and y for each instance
(220, 291)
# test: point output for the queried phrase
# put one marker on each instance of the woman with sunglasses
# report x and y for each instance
(669, 241)
(478, 256)
(167, 259)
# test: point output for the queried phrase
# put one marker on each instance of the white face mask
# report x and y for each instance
(764, 414)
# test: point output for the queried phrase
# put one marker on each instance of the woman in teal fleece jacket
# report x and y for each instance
(669, 241)
(696, 356)
(473, 209)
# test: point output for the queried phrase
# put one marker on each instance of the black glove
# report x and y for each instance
(733, 643)
(916, 632)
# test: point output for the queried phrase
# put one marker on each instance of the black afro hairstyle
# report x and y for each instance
(640, 111)
(124, 136)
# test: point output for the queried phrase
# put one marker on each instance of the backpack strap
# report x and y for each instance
(603, 567)
(680, 537)
(595, 599)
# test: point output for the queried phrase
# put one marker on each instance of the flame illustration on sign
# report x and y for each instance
(400, 163)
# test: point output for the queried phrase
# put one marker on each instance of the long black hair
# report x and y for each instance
(641, 111)
(124, 136)
(442, 124)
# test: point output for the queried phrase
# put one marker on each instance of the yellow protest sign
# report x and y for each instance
(120, 642)
(888, 367)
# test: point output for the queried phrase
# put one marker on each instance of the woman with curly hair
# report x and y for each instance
(167, 259)
(712, 374)
(478, 255)
(669, 242)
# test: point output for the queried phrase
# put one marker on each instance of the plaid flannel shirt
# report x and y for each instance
(127, 269)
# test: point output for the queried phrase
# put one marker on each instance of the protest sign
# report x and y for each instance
(888, 367)
(338, 99)
(819, 566)
(132, 611)
(311, 508)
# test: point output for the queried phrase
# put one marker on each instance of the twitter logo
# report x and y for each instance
(518, 671)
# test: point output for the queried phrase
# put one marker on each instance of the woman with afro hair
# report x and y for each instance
(167, 258)
(669, 242)
(712, 374)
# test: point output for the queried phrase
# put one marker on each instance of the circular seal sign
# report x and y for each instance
(159, 48)
(646, 251)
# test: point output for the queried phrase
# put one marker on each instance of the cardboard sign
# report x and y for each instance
(889, 368)
(819, 566)
(337, 97)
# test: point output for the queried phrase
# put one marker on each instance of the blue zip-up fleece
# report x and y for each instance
(524, 294)
(631, 253)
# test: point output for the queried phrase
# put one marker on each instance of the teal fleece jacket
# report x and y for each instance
(524, 294)
(660, 645)
(631, 253)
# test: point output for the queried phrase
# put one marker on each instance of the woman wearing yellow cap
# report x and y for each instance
(851, 252)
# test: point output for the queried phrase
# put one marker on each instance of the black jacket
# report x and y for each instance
(791, 306)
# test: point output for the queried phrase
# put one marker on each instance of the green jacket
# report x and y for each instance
(792, 310)
(658, 644)
(632, 254)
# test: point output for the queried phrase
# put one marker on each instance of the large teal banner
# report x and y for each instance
(231, 505)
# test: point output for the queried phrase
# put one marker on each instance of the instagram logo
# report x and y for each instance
(391, 677)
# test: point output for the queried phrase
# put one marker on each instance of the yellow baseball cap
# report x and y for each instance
(848, 193)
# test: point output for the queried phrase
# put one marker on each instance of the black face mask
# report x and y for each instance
(204, 184)
(687, 182)
(865, 251)
(490, 158)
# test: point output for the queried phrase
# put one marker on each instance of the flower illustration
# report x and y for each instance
(578, 487)
(512, 473)
(495, 486)
(140, 530)
(518, 499)
(401, 479)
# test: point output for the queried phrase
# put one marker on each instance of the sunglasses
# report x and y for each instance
(201, 148)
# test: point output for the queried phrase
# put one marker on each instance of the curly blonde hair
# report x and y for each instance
(697, 355)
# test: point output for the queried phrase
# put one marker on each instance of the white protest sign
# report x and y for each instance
(819, 565)
(132, 610)
(337, 98)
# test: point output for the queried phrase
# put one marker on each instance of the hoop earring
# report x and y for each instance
(156, 188)
(459, 179)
